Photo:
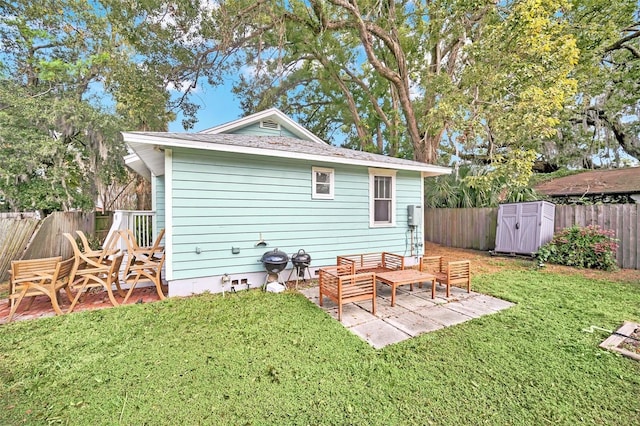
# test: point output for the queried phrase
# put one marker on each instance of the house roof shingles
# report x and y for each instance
(617, 181)
(277, 146)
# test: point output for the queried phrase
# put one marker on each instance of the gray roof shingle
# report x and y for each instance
(617, 181)
(278, 144)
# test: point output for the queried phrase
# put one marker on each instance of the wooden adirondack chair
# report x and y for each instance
(90, 271)
(143, 263)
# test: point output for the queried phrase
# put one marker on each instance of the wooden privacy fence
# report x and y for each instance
(31, 238)
(14, 237)
(464, 228)
(475, 228)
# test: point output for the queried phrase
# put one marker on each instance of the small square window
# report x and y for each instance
(322, 183)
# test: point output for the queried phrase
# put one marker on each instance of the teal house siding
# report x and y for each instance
(224, 201)
(159, 201)
(220, 192)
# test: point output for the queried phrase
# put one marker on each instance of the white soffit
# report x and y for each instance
(136, 164)
(151, 156)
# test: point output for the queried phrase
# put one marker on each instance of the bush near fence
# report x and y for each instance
(475, 228)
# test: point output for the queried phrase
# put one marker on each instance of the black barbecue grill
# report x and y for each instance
(274, 262)
(300, 262)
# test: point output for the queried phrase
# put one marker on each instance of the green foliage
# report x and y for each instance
(520, 76)
(588, 247)
(538, 178)
(413, 76)
(507, 181)
(602, 122)
(231, 360)
(53, 149)
(75, 73)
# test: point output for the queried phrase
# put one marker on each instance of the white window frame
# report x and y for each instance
(372, 175)
(315, 195)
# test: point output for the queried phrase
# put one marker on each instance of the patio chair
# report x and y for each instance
(433, 265)
(457, 274)
(143, 263)
(27, 270)
(142, 253)
(91, 272)
(341, 285)
(102, 255)
(149, 269)
(44, 281)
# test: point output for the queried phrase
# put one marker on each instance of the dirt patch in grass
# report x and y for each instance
(483, 262)
(632, 344)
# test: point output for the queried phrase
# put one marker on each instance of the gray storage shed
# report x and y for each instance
(524, 227)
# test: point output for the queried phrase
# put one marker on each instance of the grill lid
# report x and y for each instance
(301, 258)
(275, 257)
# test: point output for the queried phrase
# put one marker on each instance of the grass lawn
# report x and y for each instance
(263, 358)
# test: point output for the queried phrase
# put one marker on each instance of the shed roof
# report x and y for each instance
(617, 181)
(149, 146)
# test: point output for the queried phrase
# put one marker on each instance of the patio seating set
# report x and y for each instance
(87, 269)
(354, 277)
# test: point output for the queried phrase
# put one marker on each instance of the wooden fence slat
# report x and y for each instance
(30, 238)
(14, 237)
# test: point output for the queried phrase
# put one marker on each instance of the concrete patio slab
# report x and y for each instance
(352, 314)
(415, 312)
(384, 309)
(413, 302)
(310, 293)
(469, 307)
(494, 303)
(379, 333)
(412, 323)
(445, 316)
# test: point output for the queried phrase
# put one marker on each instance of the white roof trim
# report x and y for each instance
(135, 163)
(139, 141)
(268, 114)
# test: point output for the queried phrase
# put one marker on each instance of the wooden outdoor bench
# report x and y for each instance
(372, 262)
(341, 285)
(33, 277)
(25, 271)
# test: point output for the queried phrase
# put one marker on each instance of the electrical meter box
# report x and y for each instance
(414, 215)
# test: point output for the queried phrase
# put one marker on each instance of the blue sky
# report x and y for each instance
(217, 106)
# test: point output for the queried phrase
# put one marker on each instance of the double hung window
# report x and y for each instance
(322, 183)
(382, 197)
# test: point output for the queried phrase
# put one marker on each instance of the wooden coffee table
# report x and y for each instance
(405, 276)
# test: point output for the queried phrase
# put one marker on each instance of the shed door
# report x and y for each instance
(529, 228)
(506, 237)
